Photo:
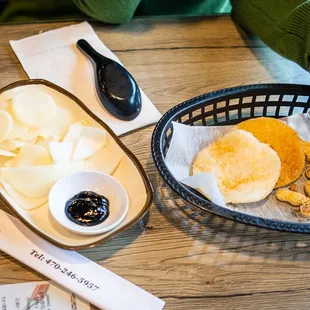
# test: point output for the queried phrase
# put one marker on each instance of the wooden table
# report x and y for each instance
(190, 259)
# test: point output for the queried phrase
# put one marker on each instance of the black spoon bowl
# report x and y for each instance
(116, 88)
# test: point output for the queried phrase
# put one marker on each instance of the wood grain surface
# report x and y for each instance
(190, 259)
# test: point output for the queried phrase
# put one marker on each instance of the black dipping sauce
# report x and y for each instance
(87, 208)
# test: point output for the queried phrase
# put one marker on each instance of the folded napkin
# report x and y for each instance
(73, 271)
(53, 56)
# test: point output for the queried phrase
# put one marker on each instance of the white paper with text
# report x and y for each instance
(16, 297)
(73, 271)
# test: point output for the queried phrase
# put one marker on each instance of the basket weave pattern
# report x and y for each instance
(227, 107)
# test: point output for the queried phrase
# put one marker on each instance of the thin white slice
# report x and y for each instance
(5, 105)
(93, 133)
(61, 152)
(19, 130)
(59, 125)
(104, 161)
(9, 94)
(85, 148)
(23, 201)
(12, 145)
(45, 142)
(30, 155)
(88, 140)
(31, 134)
(7, 153)
(6, 124)
(36, 181)
(74, 131)
(33, 108)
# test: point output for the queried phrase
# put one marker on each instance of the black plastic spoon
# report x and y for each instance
(116, 88)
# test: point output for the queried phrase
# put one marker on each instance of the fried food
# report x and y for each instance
(284, 140)
(306, 147)
(246, 170)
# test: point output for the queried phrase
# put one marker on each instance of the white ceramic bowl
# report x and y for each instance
(97, 182)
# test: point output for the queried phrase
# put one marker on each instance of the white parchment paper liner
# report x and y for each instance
(187, 141)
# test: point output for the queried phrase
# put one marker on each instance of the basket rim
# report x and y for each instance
(203, 203)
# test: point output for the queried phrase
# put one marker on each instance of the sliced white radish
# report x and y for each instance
(88, 140)
(30, 155)
(85, 148)
(23, 201)
(33, 108)
(93, 133)
(59, 125)
(17, 131)
(6, 124)
(103, 160)
(74, 131)
(12, 145)
(5, 105)
(61, 152)
(36, 181)
(45, 142)
(7, 153)
(31, 134)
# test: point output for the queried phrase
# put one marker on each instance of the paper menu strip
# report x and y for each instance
(15, 297)
(73, 271)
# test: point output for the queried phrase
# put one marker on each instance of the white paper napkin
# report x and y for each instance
(53, 56)
(187, 141)
(73, 271)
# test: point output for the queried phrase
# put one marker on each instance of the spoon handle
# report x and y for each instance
(117, 90)
(87, 49)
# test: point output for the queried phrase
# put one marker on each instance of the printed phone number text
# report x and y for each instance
(65, 271)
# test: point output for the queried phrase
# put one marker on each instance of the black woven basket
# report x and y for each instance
(226, 107)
